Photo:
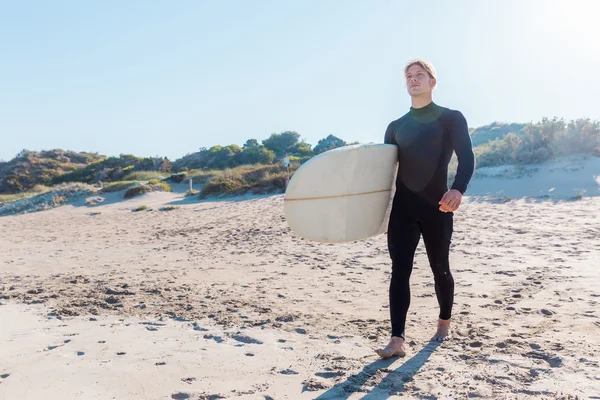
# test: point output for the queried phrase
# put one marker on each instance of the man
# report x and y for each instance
(426, 136)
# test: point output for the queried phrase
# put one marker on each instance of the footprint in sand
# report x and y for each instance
(246, 339)
(553, 360)
(288, 372)
(328, 375)
(217, 339)
(80, 353)
(180, 396)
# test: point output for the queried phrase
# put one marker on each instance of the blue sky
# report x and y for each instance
(166, 78)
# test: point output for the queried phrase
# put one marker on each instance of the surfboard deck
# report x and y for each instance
(342, 195)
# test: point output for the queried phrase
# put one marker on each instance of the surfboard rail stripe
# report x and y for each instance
(337, 196)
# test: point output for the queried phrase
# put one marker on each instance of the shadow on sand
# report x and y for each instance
(392, 383)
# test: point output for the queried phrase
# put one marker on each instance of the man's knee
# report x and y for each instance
(442, 274)
(401, 271)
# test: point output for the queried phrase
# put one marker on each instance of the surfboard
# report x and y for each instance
(342, 195)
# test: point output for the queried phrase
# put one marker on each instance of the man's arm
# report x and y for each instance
(389, 135)
(461, 142)
(462, 146)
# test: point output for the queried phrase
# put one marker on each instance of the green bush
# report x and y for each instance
(117, 186)
(9, 198)
(141, 189)
(136, 191)
(257, 179)
(59, 200)
(540, 142)
(37, 189)
(144, 176)
(178, 178)
(142, 208)
(162, 186)
(200, 176)
(40, 189)
(153, 182)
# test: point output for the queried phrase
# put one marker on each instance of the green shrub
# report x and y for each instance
(162, 186)
(59, 200)
(9, 198)
(270, 183)
(142, 208)
(144, 175)
(178, 178)
(200, 176)
(40, 189)
(37, 189)
(136, 191)
(168, 208)
(117, 186)
(221, 186)
(540, 142)
(257, 179)
(153, 182)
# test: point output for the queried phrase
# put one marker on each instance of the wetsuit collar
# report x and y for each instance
(423, 110)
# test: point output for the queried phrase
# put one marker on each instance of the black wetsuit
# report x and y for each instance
(426, 138)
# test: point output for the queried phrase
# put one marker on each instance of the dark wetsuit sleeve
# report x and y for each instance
(461, 142)
(389, 135)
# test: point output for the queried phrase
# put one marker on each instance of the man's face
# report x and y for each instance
(418, 81)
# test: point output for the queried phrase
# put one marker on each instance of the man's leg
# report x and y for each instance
(403, 238)
(437, 236)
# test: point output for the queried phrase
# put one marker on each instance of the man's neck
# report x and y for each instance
(420, 102)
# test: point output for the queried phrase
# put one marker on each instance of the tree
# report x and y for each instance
(302, 149)
(22, 153)
(281, 143)
(251, 143)
(223, 157)
(329, 143)
(256, 155)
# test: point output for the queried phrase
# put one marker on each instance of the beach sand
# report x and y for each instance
(219, 299)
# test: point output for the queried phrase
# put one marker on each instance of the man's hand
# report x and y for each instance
(451, 201)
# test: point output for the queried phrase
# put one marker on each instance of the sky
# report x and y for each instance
(164, 78)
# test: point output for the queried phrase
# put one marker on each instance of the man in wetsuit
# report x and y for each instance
(426, 137)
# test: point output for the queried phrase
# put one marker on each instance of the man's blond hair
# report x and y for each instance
(426, 65)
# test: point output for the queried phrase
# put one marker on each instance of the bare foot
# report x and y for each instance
(443, 331)
(394, 348)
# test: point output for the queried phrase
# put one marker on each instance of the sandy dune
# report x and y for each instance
(218, 299)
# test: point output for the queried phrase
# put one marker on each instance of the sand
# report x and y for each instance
(219, 299)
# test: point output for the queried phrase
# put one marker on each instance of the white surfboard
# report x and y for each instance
(342, 195)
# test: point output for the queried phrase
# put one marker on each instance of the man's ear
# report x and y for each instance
(433, 82)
